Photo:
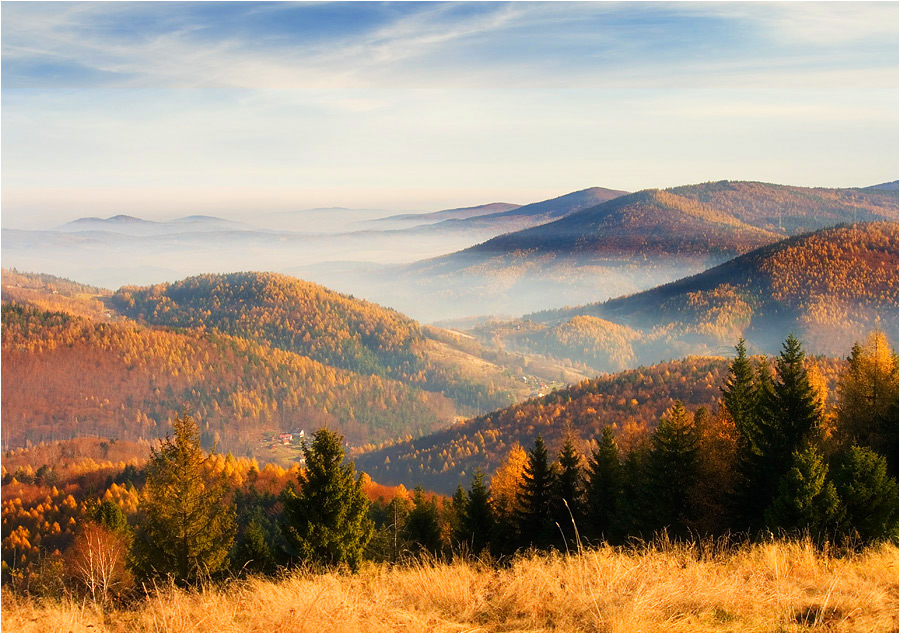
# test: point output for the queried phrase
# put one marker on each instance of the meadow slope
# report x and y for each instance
(775, 586)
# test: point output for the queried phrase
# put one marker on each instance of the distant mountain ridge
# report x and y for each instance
(656, 222)
(459, 213)
(132, 225)
(890, 185)
(533, 213)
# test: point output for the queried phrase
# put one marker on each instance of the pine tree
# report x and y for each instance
(567, 505)
(535, 523)
(868, 495)
(327, 522)
(477, 525)
(806, 500)
(422, 527)
(603, 504)
(672, 472)
(187, 525)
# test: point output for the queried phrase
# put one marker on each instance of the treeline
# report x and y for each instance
(766, 460)
(630, 402)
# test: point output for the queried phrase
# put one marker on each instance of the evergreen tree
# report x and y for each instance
(567, 505)
(633, 513)
(739, 393)
(252, 552)
(794, 408)
(742, 394)
(868, 495)
(477, 525)
(788, 415)
(109, 515)
(327, 522)
(423, 529)
(535, 520)
(806, 500)
(672, 472)
(453, 515)
(186, 526)
(603, 504)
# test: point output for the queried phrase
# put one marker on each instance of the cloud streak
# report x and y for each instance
(348, 100)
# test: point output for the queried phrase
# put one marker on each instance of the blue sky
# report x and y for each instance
(164, 109)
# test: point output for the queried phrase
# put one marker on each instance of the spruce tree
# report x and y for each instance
(327, 522)
(793, 409)
(806, 500)
(422, 527)
(252, 553)
(477, 525)
(739, 393)
(868, 495)
(567, 505)
(672, 472)
(788, 415)
(186, 524)
(453, 514)
(535, 520)
(603, 494)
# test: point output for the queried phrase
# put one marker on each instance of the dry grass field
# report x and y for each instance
(777, 586)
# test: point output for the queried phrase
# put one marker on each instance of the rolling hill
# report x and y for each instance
(245, 367)
(629, 243)
(624, 245)
(791, 210)
(130, 225)
(829, 287)
(66, 376)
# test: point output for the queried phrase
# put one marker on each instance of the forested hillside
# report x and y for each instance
(829, 287)
(66, 376)
(650, 223)
(297, 316)
(791, 210)
(632, 401)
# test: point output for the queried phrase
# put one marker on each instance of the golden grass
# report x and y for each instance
(778, 586)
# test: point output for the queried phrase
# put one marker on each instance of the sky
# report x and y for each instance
(168, 109)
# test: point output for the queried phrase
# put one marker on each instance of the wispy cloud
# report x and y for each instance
(373, 96)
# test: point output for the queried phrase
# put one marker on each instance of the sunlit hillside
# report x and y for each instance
(66, 376)
(830, 288)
